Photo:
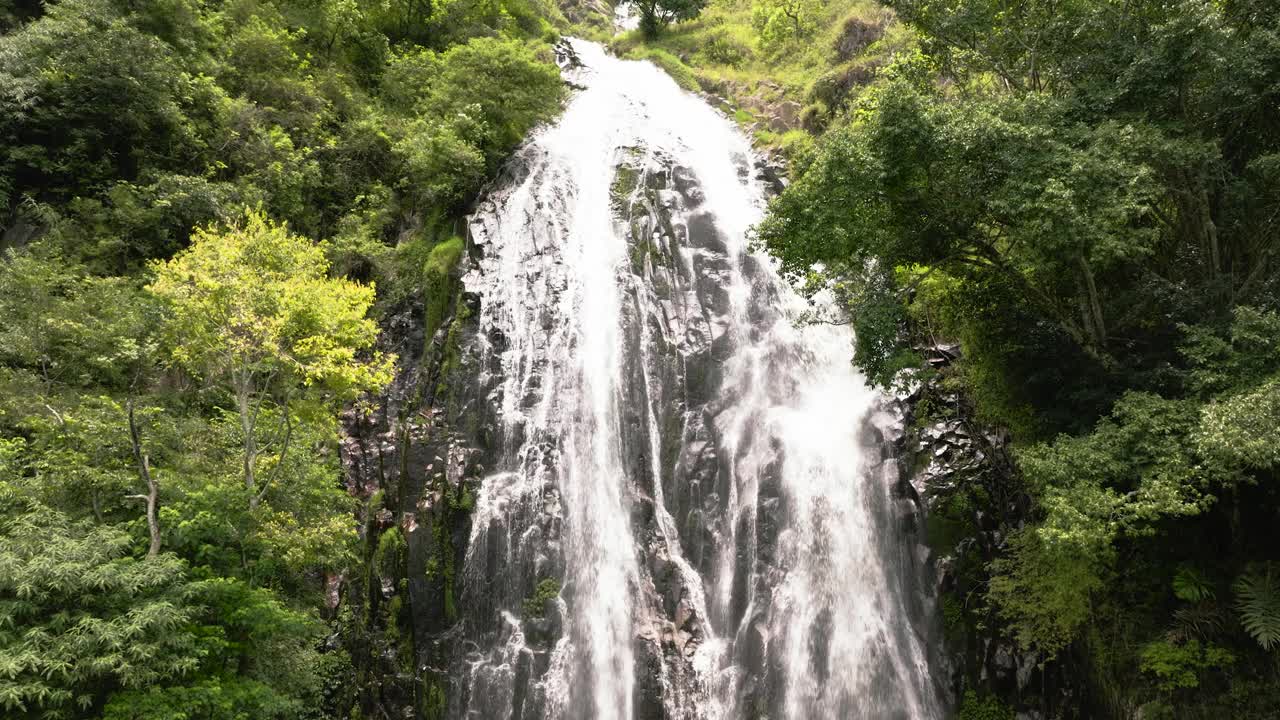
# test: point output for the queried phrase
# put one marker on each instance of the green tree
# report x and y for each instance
(259, 659)
(77, 114)
(211, 398)
(252, 311)
(70, 328)
(1008, 206)
(440, 166)
(501, 86)
(1083, 195)
(657, 14)
(1137, 468)
(780, 21)
(80, 618)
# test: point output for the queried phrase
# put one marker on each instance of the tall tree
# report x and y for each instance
(252, 311)
(657, 14)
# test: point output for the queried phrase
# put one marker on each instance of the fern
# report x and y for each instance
(1191, 586)
(1196, 622)
(1257, 593)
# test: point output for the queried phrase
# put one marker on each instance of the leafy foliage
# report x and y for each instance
(76, 113)
(1082, 195)
(269, 647)
(535, 606)
(198, 201)
(1179, 665)
(1043, 587)
(73, 328)
(778, 21)
(1190, 586)
(80, 618)
(986, 707)
(1257, 592)
(502, 84)
(252, 305)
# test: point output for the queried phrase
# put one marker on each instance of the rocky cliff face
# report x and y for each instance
(619, 480)
(412, 458)
(961, 472)
(674, 372)
(430, 635)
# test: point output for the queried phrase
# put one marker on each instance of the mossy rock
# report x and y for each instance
(438, 282)
(625, 181)
(639, 251)
(390, 554)
(535, 606)
(435, 697)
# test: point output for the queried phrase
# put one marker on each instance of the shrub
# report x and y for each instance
(984, 707)
(722, 48)
(536, 604)
(1179, 666)
(672, 65)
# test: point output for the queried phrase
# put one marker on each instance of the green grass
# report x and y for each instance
(438, 281)
(721, 53)
(721, 45)
(681, 73)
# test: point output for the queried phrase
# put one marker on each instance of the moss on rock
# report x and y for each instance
(535, 606)
(438, 282)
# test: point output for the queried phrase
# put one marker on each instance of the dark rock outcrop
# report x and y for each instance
(412, 458)
(961, 471)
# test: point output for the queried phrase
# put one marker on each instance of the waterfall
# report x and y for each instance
(688, 508)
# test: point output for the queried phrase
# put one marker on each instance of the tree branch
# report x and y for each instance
(153, 489)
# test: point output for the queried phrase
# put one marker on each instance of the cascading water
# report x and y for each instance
(688, 511)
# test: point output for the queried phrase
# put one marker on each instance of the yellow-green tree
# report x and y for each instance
(779, 21)
(252, 310)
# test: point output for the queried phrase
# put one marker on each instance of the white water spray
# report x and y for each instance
(686, 464)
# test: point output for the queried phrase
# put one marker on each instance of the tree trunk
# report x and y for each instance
(1095, 306)
(1086, 313)
(1210, 230)
(284, 452)
(793, 13)
(243, 405)
(152, 497)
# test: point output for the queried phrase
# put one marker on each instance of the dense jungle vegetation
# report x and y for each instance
(1084, 195)
(198, 200)
(206, 207)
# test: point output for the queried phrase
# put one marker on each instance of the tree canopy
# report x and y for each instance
(206, 210)
(1083, 195)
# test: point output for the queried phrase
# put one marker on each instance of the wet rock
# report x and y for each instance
(566, 55)
(955, 456)
(772, 172)
(702, 233)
